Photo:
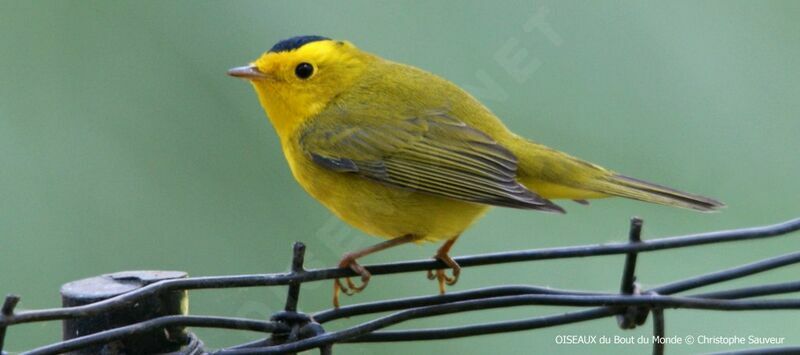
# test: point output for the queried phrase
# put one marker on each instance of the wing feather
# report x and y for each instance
(431, 153)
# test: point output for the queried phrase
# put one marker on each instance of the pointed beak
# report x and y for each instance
(249, 72)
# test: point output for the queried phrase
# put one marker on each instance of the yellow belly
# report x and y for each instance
(382, 210)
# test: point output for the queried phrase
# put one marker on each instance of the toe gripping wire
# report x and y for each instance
(632, 316)
(300, 325)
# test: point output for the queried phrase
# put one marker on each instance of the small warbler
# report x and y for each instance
(405, 155)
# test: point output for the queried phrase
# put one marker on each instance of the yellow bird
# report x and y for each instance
(405, 155)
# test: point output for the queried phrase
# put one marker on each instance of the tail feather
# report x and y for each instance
(624, 186)
(557, 175)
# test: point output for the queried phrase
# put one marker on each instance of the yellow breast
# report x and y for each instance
(378, 209)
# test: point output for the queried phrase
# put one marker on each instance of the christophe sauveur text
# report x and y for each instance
(677, 340)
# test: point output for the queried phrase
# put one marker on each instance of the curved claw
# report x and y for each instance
(452, 280)
(443, 280)
(349, 260)
(345, 288)
(350, 288)
(441, 275)
(352, 285)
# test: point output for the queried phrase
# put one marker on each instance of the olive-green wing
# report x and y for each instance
(432, 153)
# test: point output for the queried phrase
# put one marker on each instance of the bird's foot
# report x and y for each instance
(349, 287)
(441, 274)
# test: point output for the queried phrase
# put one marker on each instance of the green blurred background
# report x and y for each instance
(124, 146)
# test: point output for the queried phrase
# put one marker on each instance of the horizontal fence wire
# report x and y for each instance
(293, 331)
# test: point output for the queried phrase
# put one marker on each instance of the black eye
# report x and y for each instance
(304, 70)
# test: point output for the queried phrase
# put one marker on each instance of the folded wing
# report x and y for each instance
(431, 153)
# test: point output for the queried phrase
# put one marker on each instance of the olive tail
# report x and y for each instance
(624, 186)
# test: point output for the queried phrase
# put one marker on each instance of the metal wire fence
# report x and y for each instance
(291, 331)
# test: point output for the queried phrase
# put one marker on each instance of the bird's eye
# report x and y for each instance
(304, 70)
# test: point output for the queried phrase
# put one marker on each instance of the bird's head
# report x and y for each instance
(299, 76)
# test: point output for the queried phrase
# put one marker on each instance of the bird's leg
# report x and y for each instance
(439, 274)
(349, 260)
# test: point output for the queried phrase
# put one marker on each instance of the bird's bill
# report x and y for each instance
(249, 72)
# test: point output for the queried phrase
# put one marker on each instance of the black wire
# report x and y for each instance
(427, 306)
(156, 323)
(470, 330)
(486, 328)
(479, 299)
(519, 300)
(400, 267)
(405, 303)
(728, 274)
(754, 291)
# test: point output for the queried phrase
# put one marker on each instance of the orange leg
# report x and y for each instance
(349, 260)
(439, 274)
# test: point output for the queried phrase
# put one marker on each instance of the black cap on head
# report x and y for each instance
(295, 42)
